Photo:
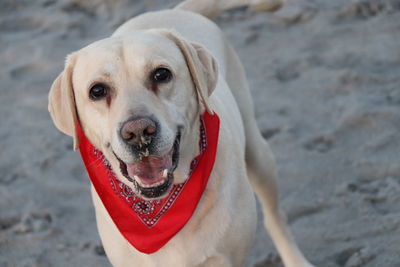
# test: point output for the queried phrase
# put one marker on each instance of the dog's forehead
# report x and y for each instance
(136, 52)
(140, 46)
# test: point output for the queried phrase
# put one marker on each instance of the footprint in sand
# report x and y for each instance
(354, 257)
(8, 222)
(22, 24)
(99, 250)
(28, 71)
(365, 9)
(320, 144)
(37, 221)
(270, 132)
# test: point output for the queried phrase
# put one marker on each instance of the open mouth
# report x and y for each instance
(152, 175)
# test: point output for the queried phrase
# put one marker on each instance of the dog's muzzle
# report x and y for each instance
(152, 175)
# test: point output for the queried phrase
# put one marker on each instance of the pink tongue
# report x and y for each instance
(150, 169)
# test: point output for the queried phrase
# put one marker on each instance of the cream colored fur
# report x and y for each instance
(207, 77)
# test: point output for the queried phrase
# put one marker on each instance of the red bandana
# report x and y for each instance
(149, 225)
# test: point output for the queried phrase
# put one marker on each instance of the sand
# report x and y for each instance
(325, 77)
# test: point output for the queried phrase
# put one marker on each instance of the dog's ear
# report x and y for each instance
(62, 106)
(202, 66)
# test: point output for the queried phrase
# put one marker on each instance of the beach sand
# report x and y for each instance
(325, 77)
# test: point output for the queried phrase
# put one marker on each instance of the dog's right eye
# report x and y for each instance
(161, 75)
(98, 91)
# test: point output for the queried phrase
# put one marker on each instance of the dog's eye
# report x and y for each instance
(161, 75)
(98, 91)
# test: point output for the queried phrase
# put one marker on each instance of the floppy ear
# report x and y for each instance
(202, 67)
(62, 106)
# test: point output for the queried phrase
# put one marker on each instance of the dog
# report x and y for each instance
(140, 97)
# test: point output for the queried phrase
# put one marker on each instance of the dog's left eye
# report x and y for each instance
(98, 91)
(161, 75)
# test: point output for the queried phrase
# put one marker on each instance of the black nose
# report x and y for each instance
(138, 132)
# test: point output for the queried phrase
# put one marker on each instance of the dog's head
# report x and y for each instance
(138, 100)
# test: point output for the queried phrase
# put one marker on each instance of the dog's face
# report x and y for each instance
(137, 99)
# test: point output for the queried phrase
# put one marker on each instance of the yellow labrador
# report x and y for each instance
(150, 80)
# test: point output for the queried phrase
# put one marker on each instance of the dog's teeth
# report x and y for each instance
(146, 153)
(139, 182)
(159, 183)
